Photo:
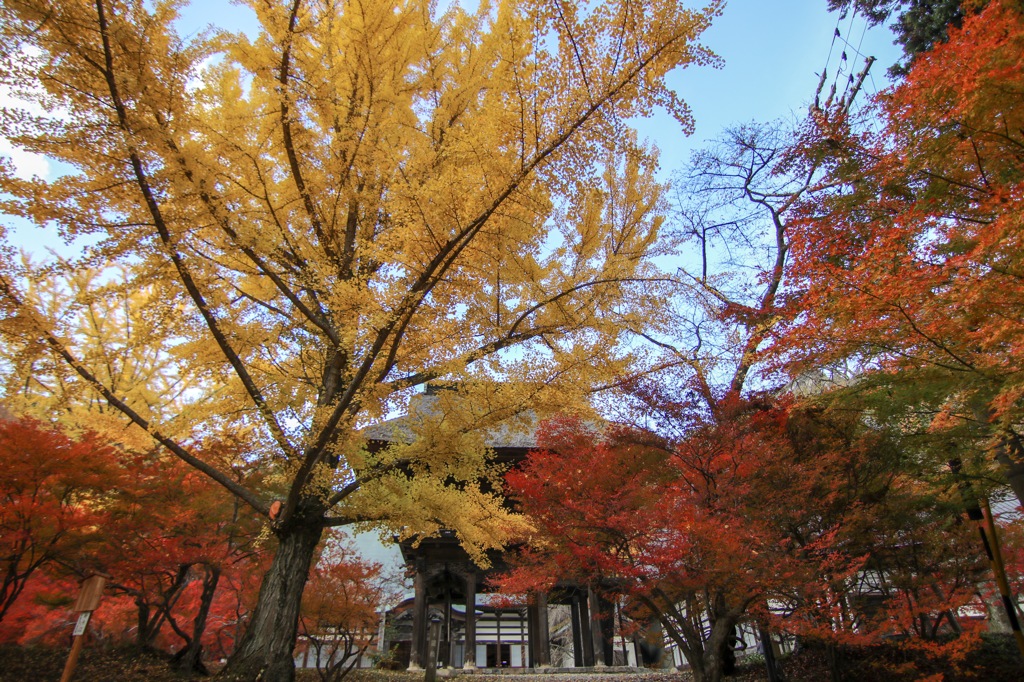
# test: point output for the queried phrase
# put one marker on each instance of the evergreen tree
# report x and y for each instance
(919, 24)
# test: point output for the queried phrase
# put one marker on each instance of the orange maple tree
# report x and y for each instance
(340, 607)
(909, 266)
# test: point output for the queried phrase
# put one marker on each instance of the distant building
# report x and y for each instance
(448, 585)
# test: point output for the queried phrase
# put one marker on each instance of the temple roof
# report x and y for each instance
(517, 432)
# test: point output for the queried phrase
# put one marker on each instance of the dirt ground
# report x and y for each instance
(997, 661)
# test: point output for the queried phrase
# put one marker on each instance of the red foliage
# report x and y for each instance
(42, 612)
(769, 505)
(912, 261)
(50, 486)
(160, 531)
(180, 549)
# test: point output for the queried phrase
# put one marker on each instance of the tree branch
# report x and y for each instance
(58, 347)
(435, 270)
(163, 230)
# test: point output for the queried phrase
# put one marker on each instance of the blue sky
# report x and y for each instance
(774, 52)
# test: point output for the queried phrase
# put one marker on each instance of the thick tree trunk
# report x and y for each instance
(704, 658)
(834, 656)
(142, 637)
(697, 669)
(265, 651)
(713, 663)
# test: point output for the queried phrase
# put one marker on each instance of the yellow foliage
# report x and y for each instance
(368, 195)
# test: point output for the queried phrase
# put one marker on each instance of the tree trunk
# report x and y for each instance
(142, 638)
(1009, 458)
(705, 658)
(834, 656)
(713, 663)
(702, 656)
(770, 663)
(150, 621)
(190, 660)
(1008, 450)
(265, 651)
(697, 668)
(718, 649)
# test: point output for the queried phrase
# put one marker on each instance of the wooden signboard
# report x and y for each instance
(87, 602)
(89, 597)
(83, 622)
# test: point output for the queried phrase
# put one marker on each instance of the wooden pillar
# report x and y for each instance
(531, 632)
(595, 628)
(469, 658)
(586, 632)
(497, 636)
(606, 616)
(418, 650)
(622, 637)
(543, 633)
(524, 661)
(430, 659)
(577, 631)
(446, 632)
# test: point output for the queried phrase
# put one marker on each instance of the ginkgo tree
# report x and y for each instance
(115, 331)
(365, 196)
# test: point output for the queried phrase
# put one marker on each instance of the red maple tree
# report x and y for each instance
(172, 538)
(817, 515)
(179, 552)
(49, 487)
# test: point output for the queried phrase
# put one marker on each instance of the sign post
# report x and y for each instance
(88, 600)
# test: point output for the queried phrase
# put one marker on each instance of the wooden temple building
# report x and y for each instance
(447, 587)
(574, 623)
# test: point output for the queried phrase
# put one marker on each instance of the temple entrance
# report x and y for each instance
(474, 633)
